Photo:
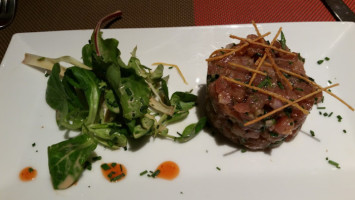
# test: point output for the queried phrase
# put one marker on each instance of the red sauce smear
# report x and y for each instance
(28, 174)
(113, 172)
(168, 170)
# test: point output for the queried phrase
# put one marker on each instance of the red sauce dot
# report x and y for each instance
(28, 174)
(113, 172)
(168, 170)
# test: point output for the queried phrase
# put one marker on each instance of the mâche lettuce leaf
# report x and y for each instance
(66, 160)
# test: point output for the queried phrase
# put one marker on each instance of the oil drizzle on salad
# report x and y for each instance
(168, 170)
(113, 172)
(28, 174)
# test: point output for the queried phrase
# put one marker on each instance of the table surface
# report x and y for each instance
(44, 15)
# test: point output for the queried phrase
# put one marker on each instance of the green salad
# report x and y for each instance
(109, 102)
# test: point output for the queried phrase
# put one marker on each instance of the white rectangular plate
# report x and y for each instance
(296, 170)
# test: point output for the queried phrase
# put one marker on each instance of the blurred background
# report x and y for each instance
(44, 15)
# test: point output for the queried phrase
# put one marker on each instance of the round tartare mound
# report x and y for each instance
(231, 105)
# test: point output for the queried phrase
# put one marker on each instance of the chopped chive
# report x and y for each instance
(111, 174)
(312, 133)
(128, 91)
(344, 131)
(30, 169)
(327, 58)
(113, 164)
(301, 58)
(88, 165)
(96, 158)
(319, 108)
(116, 178)
(143, 173)
(320, 113)
(33, 144)
(330, 82)
(273, 134)
(288, 111)
(170, 67)
(243, 150)
(320, 62)
(121, 167)
(156, 173)
(265, 83)
(219, 169)
(339, 118)
(105, 166)
(334, 163)
(325, 114)
(280, 85)
(330, 114)
(41, 59)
